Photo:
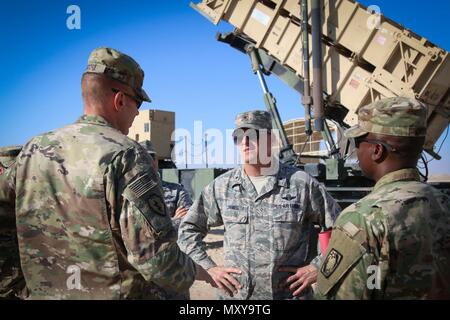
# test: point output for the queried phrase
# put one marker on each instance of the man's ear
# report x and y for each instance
(378, 153)
(118, 101)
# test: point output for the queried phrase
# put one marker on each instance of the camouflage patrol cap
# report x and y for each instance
(253, 120)
(398, 116)
(148, 146)
(118, 66)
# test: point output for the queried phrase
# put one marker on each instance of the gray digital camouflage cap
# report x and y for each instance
(118, 66)
(398, 116)
(253, 120)
(148, 146)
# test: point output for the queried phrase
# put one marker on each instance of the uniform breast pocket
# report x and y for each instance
(236, 227)
(287, 230)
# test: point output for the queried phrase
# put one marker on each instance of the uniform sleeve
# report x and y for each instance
(351, 269)
(354, 285)
(203, 215)
(322, 209)
(184, 199)
(146, 229)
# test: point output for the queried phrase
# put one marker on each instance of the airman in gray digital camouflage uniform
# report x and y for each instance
(395, 242)
(268, 211)
(90, 213)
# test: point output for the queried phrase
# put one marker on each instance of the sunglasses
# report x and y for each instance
(251, 134)
(135, 98)
(388, 147)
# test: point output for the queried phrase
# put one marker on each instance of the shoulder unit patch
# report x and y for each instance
(331, 263)
(157, 204)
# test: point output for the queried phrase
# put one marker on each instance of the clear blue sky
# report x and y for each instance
(187, 71)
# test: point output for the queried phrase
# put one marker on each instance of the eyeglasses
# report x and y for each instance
(374, 141)
(135, 98)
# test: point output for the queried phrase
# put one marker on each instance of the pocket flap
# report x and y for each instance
(342, 255)
(236, 216)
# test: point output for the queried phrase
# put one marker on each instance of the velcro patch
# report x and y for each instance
(351, 229)
(331, 263)
(141, 186)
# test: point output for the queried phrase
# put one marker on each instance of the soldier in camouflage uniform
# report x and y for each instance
(91, 219)
(177, 199)
(12, 283)
(268, 211)
(395, 242)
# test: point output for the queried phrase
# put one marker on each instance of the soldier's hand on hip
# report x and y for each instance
(180, 212)
(203, 275)
(303, 277)
(224, 280)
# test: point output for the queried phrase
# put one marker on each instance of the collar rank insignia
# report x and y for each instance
(331, 263)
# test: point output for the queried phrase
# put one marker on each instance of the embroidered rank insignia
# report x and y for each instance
(331, 263)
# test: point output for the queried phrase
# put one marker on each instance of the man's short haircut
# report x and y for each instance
(96, 88)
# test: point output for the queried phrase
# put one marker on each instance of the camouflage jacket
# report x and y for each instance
(392, 244)
(262, 231)
(175, 196)
(12, 282)
(91, 219)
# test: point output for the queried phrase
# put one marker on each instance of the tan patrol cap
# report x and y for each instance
(118, 66)
(398, 116)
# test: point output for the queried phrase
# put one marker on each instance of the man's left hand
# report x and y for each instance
(303, 277)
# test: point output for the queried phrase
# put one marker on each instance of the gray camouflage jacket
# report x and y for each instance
(262, 232)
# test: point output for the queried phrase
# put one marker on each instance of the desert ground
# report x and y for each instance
(214, 247)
